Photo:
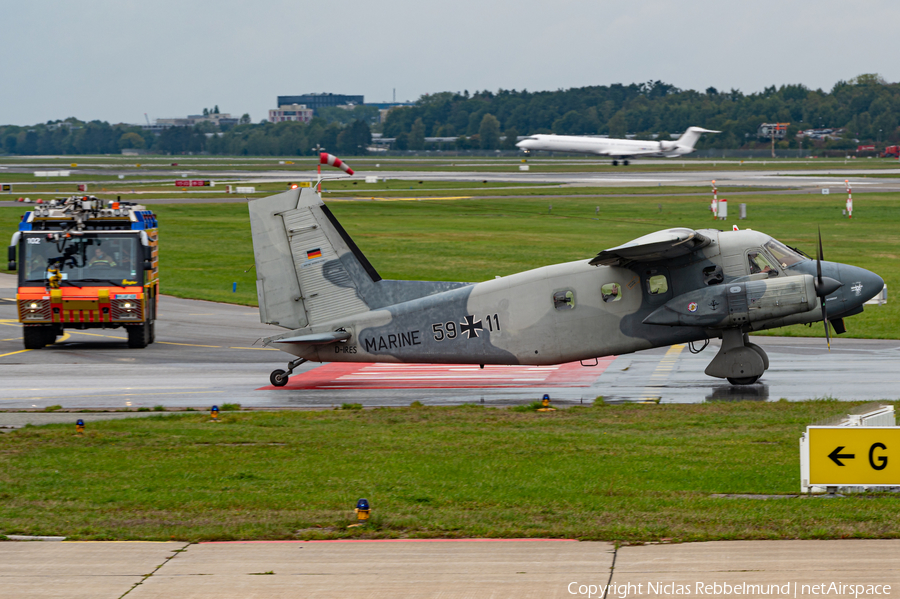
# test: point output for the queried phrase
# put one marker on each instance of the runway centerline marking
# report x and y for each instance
(257, 348)
(662, 373)
(98, 335)
(189, 344)
(39, 397)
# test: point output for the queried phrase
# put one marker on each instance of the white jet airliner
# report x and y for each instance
(614, 148)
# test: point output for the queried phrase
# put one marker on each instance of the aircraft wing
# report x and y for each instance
(655, 246)
(316, 338)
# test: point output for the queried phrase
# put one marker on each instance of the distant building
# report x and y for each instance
(220, 119)
(768, 130)
(317, 101)
(291, 112)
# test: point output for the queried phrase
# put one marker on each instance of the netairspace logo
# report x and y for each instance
(721, 589)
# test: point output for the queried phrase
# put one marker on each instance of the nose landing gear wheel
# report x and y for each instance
(278, 378)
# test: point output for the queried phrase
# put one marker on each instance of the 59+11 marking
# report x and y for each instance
(469, 327)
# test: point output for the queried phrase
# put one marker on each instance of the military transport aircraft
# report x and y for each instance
(673, 286)
(614, 148)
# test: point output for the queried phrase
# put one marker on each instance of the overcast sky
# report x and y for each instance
(115, 60)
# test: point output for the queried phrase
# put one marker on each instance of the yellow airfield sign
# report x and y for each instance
(858, 455)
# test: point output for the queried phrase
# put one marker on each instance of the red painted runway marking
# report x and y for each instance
(364, 375)
(386, 541)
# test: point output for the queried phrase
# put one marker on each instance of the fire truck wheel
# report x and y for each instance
(138, 335)
(152, 331)
(278, 378)
(34, 337)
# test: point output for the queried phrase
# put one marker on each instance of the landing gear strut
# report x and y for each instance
(279, 378)
(738, 360)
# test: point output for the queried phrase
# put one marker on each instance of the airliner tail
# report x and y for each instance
(690, 137)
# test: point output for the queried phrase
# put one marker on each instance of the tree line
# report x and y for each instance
(72, 136)
(866, 107)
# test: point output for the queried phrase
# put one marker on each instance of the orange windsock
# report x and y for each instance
(334, 161)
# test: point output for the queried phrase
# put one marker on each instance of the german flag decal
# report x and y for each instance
(313, 254)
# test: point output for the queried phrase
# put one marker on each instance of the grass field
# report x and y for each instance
(634, 473)
(206, 247)
(392, 188)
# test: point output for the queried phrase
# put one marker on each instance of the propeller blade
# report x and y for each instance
(820, 287)
(825, 320)
(821, 251)
(819, 258)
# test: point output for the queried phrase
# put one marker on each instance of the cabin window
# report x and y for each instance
(657, 284)
(611, 292)
(564, 300)
(760, 263)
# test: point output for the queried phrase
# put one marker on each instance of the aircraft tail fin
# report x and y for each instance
(690, 137)
(308, 270)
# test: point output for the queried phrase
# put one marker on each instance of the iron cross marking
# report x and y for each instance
(470, 327)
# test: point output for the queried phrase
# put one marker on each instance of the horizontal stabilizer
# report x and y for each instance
(316, 338)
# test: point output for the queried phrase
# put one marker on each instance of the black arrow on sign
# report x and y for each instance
(836, 457)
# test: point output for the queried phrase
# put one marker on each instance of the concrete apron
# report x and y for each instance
(447, 568)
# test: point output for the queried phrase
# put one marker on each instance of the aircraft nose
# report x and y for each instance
(860, 285)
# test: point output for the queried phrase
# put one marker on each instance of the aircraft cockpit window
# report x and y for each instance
(760, 263)
(611, 292)
(657, 284)
(564, 300)
(785, 255)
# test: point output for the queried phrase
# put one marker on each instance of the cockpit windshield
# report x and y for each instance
(85, 260)
(785, 255)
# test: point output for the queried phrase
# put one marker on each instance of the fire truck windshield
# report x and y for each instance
(86, 260)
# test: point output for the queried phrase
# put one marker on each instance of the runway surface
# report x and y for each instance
(790, 174)
(208, 353)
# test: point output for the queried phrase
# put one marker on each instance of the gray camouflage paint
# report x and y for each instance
(513, 319)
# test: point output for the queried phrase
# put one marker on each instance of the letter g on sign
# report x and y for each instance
(882, 459)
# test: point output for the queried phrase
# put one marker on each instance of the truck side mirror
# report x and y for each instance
(148, 257)
(12, 258)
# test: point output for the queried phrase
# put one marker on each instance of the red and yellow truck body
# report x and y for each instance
(83, 265)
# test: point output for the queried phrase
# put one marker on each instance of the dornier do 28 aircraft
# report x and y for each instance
(673, 286)
(614, 148)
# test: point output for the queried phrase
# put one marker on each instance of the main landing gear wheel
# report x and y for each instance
(615, 163)
(624, 163)
(745, 380)
(738, 360)
(278, 378)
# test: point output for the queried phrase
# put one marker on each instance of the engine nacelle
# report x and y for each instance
(738, 303)
(667, 146)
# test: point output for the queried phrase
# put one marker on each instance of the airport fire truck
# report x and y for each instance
(86, 264)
